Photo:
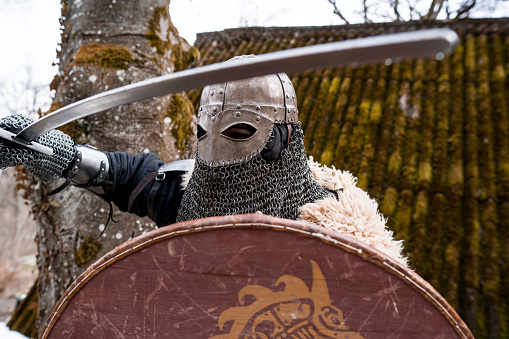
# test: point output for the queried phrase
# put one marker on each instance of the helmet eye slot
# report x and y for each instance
(239, 132)
(200, 132)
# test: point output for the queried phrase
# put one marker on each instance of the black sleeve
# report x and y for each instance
(127, 171)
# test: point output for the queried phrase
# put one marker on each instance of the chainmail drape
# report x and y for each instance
(44, 168)
(278, 189)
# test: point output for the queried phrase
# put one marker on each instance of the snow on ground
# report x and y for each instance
(6, 333)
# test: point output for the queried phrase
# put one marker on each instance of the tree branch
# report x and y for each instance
(338, 12)
(395, 5)
(434, 9)
(465, 8)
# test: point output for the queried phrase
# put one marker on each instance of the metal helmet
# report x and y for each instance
(236, 118)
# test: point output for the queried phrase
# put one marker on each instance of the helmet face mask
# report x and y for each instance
(251, 154)
(228, 139)
(236, 119)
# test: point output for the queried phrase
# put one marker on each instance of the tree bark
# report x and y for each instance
(107, 44)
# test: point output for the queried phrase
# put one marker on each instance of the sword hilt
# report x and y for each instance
(33, 146)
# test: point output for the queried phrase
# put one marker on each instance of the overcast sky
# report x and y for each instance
(30, 28)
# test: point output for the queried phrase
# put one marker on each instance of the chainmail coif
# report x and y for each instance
(278, 189)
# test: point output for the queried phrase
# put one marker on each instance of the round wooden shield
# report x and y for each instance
(250, 276)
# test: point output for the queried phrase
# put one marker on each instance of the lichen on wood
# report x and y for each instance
(88, 248)
(103, 55)
(163, 36)
(322, 130)
(328, 154)
(182, 114)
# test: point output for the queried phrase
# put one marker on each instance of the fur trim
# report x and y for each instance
(185, 178)
(354, 214)
(330, 178)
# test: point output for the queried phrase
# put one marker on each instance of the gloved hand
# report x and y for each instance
(43, 167)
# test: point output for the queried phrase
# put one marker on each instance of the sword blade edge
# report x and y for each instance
(376, 49)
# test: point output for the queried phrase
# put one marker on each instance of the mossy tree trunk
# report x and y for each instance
(107, 44)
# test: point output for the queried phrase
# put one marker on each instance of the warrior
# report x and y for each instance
(250, 158)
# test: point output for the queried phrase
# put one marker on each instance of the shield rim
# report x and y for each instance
(264, 222)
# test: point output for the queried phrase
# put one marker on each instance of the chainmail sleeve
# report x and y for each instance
(43, 167)
(127, 171)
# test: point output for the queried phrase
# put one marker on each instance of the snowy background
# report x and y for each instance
(30, 34)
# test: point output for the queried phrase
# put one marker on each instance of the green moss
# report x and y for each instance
(434, 243)
(472, 247)
(162, 35)
(342, 146)
(182, 59)
(329, 153)
(471, 151)
(375, 116)
(450, 274)
(388, 205)
(500, 116)
(406, 74)
(372, 152)
(394, 165)
(458, 70)
(359, 135)
(402, 220)
(309, 101)
(346, 148)
(104, 56)
(454, 175)
(486, 135)
(87, 251)
(181, 112)
(317, 113)
(471, 143)
(424, 174)
(416, 234)
(322, 130)
(159, 30)
(384, 146)
(440, 160)
(266, 46)
(490, 275)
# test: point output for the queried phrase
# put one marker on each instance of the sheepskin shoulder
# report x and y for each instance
(186, 177)
(353, 214)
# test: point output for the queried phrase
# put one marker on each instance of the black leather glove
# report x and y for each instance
(43, 167)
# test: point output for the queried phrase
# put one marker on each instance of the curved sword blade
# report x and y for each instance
(378, 49)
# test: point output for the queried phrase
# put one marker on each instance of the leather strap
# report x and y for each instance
(67, 182)
(140, 187)
(151, 198)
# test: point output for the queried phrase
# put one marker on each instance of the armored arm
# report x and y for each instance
(114, 176)
(79, 165)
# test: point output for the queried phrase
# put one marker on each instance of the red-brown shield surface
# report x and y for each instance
(250, 276)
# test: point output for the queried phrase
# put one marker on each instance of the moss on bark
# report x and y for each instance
(181, 112)
(88, 248)
(103, 55)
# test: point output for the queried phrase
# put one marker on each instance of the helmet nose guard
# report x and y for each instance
(259, 102)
